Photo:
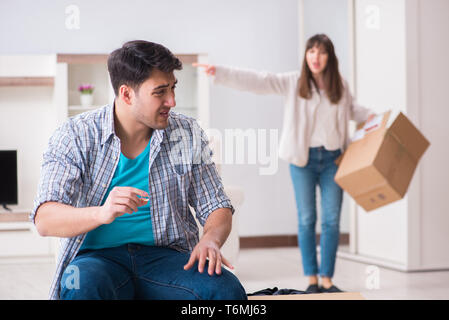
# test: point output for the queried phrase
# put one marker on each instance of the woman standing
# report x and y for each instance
(318, 107)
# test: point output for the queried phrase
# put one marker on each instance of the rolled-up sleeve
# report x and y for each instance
(61, 172)
(206, 192)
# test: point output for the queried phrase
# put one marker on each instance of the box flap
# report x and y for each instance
(405, 132)
(378, 122)
(395, 163)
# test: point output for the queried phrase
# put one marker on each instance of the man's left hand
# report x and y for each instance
(207, 249)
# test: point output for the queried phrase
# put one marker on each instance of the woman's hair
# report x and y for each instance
(133, 63)
(331, 76)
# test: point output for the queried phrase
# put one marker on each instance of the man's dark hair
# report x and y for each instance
(133, 63)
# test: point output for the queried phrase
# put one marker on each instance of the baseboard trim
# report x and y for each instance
(273, 241)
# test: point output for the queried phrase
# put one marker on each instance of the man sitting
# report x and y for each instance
(116, 184)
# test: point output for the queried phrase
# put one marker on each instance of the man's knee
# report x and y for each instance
(224, 287)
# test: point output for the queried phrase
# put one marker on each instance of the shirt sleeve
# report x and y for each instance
(358, 113)
(61, 171)
(259, 82)
(206, 192)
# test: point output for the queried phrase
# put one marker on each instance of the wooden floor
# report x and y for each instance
(259, 269)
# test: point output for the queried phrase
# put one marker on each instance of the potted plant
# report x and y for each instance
(86, 96)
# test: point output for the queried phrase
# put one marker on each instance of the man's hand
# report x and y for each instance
(207, 248)
(216, 230)
(121, 200)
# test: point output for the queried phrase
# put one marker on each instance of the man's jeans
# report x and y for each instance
(144, 272)
(320, 170)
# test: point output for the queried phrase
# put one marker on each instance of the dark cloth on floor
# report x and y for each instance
(275, 291)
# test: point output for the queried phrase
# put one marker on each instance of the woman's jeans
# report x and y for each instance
(135, 271)
(320, 170)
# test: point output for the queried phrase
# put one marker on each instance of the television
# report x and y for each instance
(8, 178)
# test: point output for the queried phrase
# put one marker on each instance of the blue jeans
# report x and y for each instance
(134, 271)
(320, 170)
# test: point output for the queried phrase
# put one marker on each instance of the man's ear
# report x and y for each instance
(126, 94)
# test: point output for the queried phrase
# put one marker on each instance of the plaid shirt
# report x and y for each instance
(81, 159)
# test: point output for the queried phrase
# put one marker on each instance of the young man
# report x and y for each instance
(116, 185)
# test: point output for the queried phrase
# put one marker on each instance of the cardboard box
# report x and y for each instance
(378, 165)
(312, 296)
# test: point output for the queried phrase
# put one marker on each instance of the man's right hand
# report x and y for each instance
(121, 200)
(208, 68)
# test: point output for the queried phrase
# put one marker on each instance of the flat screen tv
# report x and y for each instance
(8, 177)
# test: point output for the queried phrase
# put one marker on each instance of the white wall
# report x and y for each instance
(380, 81)
(260, 34)
(402, 64)
(434, 111)
(331, 18)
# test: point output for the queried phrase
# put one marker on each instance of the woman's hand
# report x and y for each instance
(370, 117)
(208, 68)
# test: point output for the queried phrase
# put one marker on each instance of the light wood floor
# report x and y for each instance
(259, 269)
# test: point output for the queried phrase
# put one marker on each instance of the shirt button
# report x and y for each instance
(103, 185)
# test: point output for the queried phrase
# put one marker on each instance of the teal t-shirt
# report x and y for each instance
(128, 228)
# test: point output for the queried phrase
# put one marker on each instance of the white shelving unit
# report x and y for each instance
(26, 119)
(72, 70)
(20, 242)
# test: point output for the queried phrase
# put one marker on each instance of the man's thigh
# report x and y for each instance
(94, 276)
(161, 275)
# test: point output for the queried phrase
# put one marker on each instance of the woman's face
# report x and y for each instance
(316, 58)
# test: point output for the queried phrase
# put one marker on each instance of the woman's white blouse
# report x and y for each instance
(324, 131)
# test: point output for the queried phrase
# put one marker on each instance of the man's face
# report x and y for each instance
(154, 99)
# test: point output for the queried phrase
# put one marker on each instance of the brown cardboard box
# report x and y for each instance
(312, 296)
(377, 167)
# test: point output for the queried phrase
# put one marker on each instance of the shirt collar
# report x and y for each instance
(158, 136)
(109, 129)
(108, 123)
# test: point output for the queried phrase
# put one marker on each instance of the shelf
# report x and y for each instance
(187, 58)
(82, 108)
(79, 107)
(27, 81)
(14, 217)
(82, 58)
(76, 109)
(103, 58)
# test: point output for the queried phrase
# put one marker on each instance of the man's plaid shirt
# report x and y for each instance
(80, 162)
